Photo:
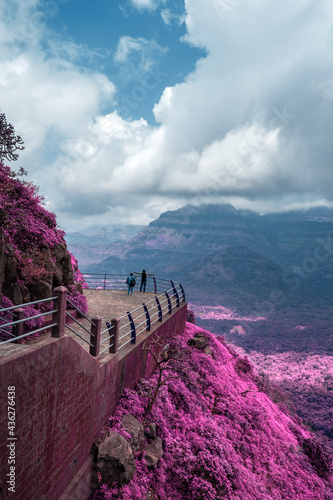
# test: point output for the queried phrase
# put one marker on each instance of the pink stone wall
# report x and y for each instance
(63, 397)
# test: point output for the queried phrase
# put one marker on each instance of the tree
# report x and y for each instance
(169, 359)
(9, 142)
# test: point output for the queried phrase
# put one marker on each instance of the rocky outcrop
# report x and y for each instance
(115, 460)
(199, 341)
(57, 270)
(136, 431)
(154, 451)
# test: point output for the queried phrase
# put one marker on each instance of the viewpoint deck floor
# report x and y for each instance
(107, 304)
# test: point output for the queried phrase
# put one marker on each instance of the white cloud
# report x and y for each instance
(251, 125)
(146, 4)
(138, 54)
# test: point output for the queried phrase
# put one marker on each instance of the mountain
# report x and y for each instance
(263, 281)
(90, 245)
(235, 256)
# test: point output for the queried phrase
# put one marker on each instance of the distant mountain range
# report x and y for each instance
(235, 257)
(90, 245)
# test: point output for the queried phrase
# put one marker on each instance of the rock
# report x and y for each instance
(41, 290)
(25, 294)
(154, 451)
(17, 294)
(115, 460)
(63, 270)
(78, 287)
(136, 430)
(199, 341)
(207, 350)
(13, 292)
(151, 495)
(11, 267)
(150, 431)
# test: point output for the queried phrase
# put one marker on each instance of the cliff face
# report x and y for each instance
(33, 254)
(223, 436)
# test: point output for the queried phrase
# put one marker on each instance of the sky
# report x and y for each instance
(131, 108)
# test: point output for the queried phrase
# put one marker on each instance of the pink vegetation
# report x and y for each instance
(223, 437)
(27, 225)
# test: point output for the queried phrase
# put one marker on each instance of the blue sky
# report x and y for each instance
(131, 108)
(151, 43)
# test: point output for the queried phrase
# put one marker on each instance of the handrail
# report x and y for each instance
(154, 310)
(28, 304)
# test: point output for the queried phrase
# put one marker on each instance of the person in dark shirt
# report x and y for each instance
(143, 279)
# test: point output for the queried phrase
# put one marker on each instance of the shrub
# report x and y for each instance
(78, 300)
(243, 365)
(319, 455)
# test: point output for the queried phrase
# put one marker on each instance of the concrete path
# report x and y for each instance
(107, 304)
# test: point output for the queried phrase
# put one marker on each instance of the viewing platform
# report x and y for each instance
(68, 381)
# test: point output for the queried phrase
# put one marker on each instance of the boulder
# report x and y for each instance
(25, 294)
(13, 292)
(199, 341)
(40, 290)
(154, 451)
(136, 430)
(150, 430)
(115, 460)
(207, 350)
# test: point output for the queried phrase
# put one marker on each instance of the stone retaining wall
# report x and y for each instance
(63, 397)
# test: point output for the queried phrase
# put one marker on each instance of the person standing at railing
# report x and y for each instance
(131, 283)
(143, 279)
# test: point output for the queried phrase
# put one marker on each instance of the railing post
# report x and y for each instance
(18, 329)
(169, 303)
(160, 317)
(155, 287)
(104, 281)
(115, 329)
(59, 317)
(95, 336)
(147, 317)
(175, 293)
(183, 292)
(133, 331)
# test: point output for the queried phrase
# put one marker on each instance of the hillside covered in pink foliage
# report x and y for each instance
(223, 437)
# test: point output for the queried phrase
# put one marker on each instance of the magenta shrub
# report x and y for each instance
(78, 300)
(243, 365)
(222, 436)
(28, 226)
(30, 324)
(320, 457)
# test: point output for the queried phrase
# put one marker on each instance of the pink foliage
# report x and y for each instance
(222, 436)
(78, 300)
(78, 276)
(29, 312)
(27, 225)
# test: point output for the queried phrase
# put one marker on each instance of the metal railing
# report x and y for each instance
(119, 332)
(15, 329)
(104, 281)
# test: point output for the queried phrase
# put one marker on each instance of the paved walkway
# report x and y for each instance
(108, 304)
